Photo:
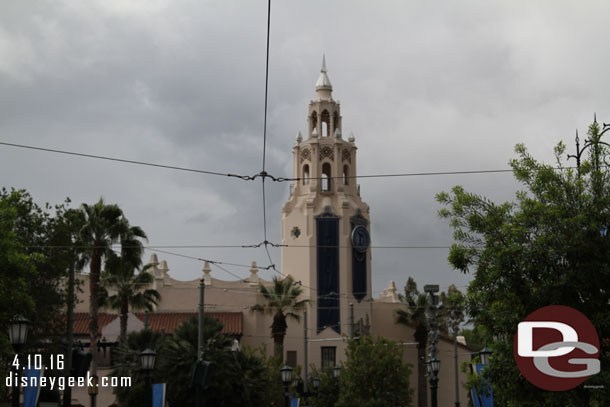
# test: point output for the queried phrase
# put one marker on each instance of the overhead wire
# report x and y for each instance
(262, 174)
(100, 157)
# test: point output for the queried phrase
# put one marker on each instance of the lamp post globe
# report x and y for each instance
(18, 335)
(18, 331)
(286, 373)
(316, 382)
(485, 353)
(435, 365)
(147, 359)
(336, 371)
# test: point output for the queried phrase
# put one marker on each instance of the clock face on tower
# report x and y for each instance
(360, 239)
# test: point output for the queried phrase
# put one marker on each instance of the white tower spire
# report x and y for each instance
(323, 86)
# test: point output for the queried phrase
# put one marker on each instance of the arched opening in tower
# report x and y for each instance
(345, 175)
(305, 174)
(336, 124)
(326, 177)
(325, 121)
(313, 121)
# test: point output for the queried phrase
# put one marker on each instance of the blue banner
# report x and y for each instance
(295, 402)
(484, 397)
(158, 390)
(31, 393)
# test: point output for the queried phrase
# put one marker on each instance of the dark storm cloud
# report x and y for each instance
(424, 87)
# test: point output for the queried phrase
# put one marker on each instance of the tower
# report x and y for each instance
(325, 224)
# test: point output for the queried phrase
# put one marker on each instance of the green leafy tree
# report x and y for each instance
(374, 375)
(547, 247)
(327, 393)
(239, 378)
(475, 337)
(129, 289)
(35, 255)
(452, 310)
(103, 226)
(281, 301)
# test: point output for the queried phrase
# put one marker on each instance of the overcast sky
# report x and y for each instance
(424, 86)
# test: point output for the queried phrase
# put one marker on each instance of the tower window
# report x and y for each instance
(345, 175)
(325, 121)
(336, 123)
(305, 174)
(314, 120)
(326, 177)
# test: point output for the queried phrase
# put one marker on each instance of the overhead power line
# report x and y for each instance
(101, 157)
(262, 174)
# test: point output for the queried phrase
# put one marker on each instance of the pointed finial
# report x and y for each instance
(253, 279)
(323, 85)
(299, 137)
(314, 133)
(337, 133)
(207, 278)
(351, 138)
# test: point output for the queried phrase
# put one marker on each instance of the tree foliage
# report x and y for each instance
(374, 375)
(128, 289)
(35, 256)
(239, 378)
(102, 226)
(544, 248)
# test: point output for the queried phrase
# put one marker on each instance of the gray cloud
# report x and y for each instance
(424, 87)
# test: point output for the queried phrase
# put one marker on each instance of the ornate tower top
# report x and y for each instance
(323, 86)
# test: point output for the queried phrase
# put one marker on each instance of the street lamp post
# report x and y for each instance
(147, 360)
(589, 142)
(286, 373)
(434, 363)
(17, 334)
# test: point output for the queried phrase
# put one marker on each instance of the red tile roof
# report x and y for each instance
(81, 322)
(232, 321)
(168, 321)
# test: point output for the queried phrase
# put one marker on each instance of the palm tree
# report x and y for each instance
(281, 301)
(415, 316)
(103, 226)
(130, 289)
(126, 363)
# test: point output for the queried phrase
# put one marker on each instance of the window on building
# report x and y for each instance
(291, 358)
(326, 180)
(345, 175)
(328, 356)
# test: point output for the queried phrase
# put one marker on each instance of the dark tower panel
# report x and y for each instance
(359, 262)
(327, 231)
